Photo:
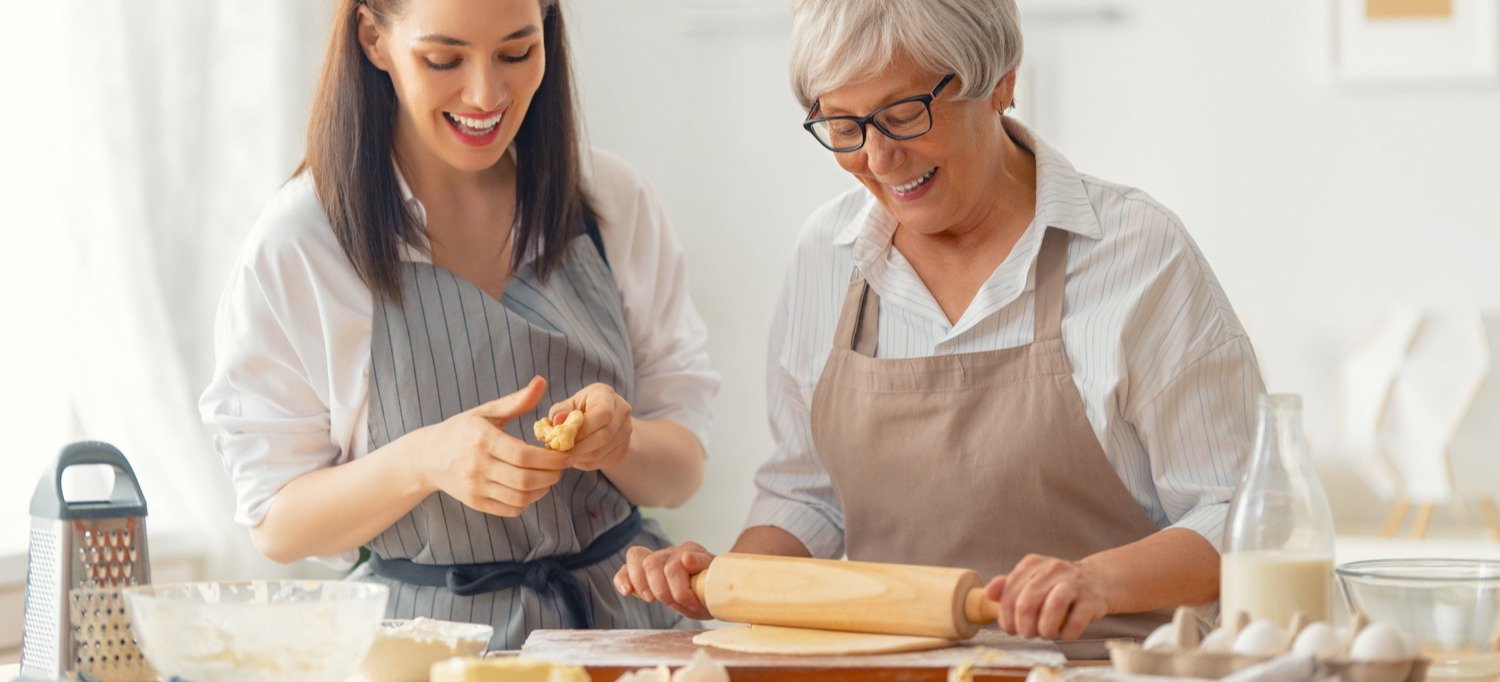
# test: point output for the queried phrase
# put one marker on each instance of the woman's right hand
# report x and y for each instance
(470, 456)
(666, 576)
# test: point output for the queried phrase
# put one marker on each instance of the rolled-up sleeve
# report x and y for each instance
(269, 424)
(1199, 430)
(793, 490)
(669, 341)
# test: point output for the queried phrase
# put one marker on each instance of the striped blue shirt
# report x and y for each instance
(1167, 375)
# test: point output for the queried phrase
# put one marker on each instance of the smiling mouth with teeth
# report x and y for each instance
(912, 186)
(473, 126)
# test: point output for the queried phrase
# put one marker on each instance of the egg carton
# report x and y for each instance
(1181, 655)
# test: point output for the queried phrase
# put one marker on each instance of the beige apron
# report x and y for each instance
(972, 460)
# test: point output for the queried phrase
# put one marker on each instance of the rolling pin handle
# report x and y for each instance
(979, 609)
(699, 588)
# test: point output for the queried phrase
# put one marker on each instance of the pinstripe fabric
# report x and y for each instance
(448, 347)
(1167, 375)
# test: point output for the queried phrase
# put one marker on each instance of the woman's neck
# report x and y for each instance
(440, 187)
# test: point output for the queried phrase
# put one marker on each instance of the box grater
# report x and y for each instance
(81, 553)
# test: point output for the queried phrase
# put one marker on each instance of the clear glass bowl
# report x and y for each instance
(1451, 607)
(314, 630)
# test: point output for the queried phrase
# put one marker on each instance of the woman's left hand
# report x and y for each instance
(604, 439)
(1048, 597)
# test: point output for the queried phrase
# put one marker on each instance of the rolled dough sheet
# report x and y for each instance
(772, 639)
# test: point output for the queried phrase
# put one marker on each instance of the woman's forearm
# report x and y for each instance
(1171, 567)
(338, 508)
(664, 466)
(770, 540)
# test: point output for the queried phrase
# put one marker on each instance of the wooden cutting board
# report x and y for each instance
(610, 653)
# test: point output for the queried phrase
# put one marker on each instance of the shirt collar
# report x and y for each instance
(1062, 201)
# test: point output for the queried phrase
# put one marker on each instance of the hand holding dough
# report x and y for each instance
(561, 436)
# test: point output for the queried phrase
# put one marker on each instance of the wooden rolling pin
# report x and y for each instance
(853, 596)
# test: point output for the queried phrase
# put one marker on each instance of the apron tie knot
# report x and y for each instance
(545, 576)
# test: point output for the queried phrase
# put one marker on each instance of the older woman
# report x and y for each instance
(984, 358)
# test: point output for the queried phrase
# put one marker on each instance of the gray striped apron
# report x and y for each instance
(448, 347)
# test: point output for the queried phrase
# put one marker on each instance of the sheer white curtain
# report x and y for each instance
(182, 117)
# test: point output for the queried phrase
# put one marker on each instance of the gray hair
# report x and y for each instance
(837, 42)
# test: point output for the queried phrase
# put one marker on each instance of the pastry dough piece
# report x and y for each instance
(560, 437)
(773, 639)
(505, 670)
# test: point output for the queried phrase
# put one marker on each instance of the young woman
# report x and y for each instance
(447, 267)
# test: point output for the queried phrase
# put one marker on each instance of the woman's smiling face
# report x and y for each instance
(464, 73)
(940, 180)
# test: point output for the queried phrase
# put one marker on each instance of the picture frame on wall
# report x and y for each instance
(1416, 42)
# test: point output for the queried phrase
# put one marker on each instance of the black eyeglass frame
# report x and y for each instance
(869, 120)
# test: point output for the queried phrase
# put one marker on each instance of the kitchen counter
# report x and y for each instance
(610, 653)
(607, 654)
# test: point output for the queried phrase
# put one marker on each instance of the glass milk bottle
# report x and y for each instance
(1278, 541)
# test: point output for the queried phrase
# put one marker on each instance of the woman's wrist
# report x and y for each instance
(407, 454)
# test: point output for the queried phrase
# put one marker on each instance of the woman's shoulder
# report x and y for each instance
(1130, 212)
(607, 177)
(293, 225)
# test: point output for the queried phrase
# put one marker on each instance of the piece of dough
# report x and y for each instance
(772, 639)
(560, 437)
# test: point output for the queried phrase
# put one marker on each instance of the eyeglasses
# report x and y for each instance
(902, 119)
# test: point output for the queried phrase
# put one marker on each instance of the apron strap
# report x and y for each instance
(542, 576)
(858, 327)
(859, 319)
(1051, 271)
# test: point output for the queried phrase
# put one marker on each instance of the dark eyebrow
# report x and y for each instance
(455, 42)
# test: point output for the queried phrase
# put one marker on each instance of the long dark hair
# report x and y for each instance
(349, 153)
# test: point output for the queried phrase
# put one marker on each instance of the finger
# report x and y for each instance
(1029, 606)
(610, 455)
(509, 407)
(622, 580)
(1079, 618)
(635, 559)
(508, 496)
(526, 480)
(495, 508)
(681, 585)
(519, 454)
(656, 576)
(996, 587)
(598, 441)
(1014, 586)
(597, 419)
(1054, 613)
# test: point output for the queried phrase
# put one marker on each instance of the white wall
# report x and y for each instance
(1316, 204)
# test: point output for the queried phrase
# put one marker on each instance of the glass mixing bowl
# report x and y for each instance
(313, 630)
(1450, 607)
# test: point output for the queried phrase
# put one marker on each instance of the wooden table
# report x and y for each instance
(607, 654)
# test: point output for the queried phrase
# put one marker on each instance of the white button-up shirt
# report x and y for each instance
(1167, 375)
(292, 337)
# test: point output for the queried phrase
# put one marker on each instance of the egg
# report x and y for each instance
(1261, 638)
(1381, 642)
(1319, 641)
(1163, 638)
(1219, 641)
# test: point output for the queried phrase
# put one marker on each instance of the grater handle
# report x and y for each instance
(125, 500)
